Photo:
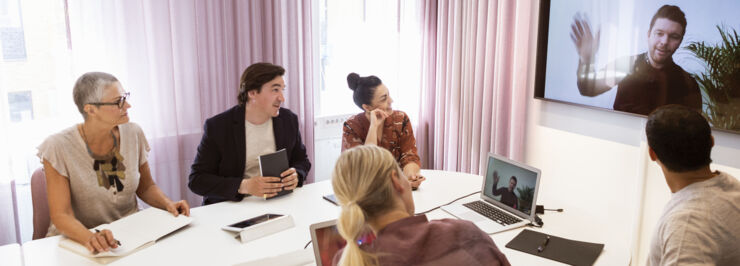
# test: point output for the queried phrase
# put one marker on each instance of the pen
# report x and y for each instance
(544, 244)
(117, 242)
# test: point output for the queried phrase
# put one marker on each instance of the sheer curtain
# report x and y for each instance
(475, 82)
(181, 61)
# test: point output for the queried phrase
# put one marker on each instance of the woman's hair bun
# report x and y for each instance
(353, 79)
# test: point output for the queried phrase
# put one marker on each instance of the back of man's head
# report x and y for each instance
(672, 13)
(680, 137)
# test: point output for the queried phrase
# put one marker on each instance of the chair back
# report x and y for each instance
(41, 218)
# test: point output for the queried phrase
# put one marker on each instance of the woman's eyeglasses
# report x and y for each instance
(120, 102)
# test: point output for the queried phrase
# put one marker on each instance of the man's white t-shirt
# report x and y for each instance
(700, 225)
(260, 140)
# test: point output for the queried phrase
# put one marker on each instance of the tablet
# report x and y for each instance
(241, 225)
(331, 198)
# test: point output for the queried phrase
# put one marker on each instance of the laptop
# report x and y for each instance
(508, 197)
(327, 241)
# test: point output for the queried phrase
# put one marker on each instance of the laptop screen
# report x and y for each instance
(327, 241)
(511, 184)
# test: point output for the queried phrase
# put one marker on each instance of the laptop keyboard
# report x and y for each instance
(492, 213)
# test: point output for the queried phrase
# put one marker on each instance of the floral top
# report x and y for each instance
(398, 136)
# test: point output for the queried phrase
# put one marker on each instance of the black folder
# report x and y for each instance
(558, 249)
(274, 164)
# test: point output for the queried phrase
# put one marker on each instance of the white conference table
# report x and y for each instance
(203, 242)
(10, 255)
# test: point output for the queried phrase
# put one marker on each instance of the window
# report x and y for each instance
(378, 37)
(11, 31)
(35, 95)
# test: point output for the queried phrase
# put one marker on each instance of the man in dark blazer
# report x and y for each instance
(218, 172)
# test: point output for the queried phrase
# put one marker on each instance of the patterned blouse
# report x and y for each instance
(398, 136)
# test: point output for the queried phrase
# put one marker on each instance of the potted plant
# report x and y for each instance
(720, 82)
(526, 194)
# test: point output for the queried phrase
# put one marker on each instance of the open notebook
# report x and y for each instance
(135, 232)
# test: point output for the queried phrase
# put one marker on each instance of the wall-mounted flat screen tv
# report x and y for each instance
(633, 56)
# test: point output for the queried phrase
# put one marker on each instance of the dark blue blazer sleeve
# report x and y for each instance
(205, 176)
(298, 157)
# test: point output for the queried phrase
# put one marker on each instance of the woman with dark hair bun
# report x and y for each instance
(380, 125)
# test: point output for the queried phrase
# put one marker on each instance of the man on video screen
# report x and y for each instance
(507, 194)
(645, 81)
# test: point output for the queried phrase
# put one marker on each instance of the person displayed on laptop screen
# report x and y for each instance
(507, 194)
(373, 191)
(504, 208)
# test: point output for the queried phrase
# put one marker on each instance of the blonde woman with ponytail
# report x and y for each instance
(374, 193)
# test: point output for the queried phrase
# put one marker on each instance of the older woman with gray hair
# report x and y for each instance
(95, 170)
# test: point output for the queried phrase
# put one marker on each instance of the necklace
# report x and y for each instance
(89, 151)
(107, 167)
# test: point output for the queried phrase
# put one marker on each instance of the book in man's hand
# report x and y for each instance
(274, 164)
(135, 232)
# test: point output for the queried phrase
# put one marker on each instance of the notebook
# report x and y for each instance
(274, 164)
(508, 197)
(556, 248)
(135, 232)
(327, 241)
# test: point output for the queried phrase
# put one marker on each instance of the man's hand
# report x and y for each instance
(290, 179)
(586, 43)
(261, 186)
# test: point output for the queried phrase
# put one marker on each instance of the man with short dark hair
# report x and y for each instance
(226, 166)
(699, 225)
(507, 193)
(645, 81)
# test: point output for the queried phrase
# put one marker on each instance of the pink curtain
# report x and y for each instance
(181, 61)
(474, 82)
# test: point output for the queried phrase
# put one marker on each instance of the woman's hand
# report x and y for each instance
(377, 117)
(412, 171)
(100, 241)
(177, 208)
(415, 180)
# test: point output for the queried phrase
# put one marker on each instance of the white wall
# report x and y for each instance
(328, 145)
(610, 149)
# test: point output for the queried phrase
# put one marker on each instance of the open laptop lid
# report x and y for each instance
(327, 241)
(524, 179)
